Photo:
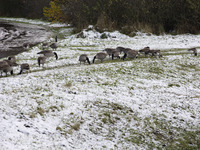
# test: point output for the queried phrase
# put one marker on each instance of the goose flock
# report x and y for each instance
(8, 64)
(127, 53)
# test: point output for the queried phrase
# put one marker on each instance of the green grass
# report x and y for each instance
(173, 85)
(68, 83)
(78, 46)
(86, 50)
(76, 126)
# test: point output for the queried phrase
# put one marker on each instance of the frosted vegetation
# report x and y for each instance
(142, 103)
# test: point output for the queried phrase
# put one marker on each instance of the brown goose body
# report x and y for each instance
(41, 60)
(193, 50)
(84, 58)
(101, 56)
(5, 67)
(2, 64)
(45, 45)
(116, 54)
(11, 63)
(130, 54)
(109, 51)
(24, 66)
(54, 46)
(155, 53)
(145, 50)
(120, 49)
(48, 53)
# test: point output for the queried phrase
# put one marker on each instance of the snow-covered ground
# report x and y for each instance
(145, 103)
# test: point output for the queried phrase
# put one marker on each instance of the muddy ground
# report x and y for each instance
(13, 37)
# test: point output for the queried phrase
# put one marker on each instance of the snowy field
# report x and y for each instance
(143, 103)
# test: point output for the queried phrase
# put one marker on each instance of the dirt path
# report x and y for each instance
(14, 35)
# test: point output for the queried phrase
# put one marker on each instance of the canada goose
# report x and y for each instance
(83, 58)
(45, 45)
(145, 50)
(155, 53)
(6, 68)
(48, 53)
(120, 49)
(130, 54)
(109, 51)
(100, 55)
(54, 46)
(115, 54)
(24, 66)
(12, 58)
(11, 63)
(2, 63)
(194, 50)
(126, 50)
(41, 60)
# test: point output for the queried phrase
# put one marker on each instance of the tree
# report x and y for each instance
(54, 13)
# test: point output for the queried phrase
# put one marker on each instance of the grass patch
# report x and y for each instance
(68, 83)
(39, 110)
(173, 85)
(76, 126)
(156, 70)
(162, 135)
(155, 132)
(188, 67)
(86, 50)
(70, 124)
(82, 46)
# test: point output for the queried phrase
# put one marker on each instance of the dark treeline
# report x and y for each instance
(156, 16)
(23, 8)
(127, 16)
